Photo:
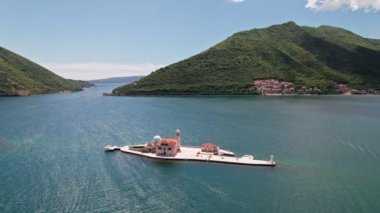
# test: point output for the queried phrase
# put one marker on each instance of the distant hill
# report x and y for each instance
(308, 57)
(20, 76)
(117, 80)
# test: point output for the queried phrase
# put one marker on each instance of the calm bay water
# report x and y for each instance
(52, 160)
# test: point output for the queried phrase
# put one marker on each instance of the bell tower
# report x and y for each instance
(178, 137)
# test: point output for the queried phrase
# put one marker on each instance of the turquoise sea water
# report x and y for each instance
(52, 159)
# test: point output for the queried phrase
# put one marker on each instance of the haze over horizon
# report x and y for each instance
(96, 39)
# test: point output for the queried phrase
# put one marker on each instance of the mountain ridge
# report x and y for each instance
(125, 80)
(20, 76)
(312, 57)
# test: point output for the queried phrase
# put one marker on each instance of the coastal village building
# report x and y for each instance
(274, 86)
(209, 147)
(277, 87)
(165, 146)
(346, 90)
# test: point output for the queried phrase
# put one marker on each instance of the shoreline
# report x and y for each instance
(221, 95)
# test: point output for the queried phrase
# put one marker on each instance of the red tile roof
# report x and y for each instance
(209, 145)
(168, 141)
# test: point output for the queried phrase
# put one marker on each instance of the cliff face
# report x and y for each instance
(20, 76)
(308, 57)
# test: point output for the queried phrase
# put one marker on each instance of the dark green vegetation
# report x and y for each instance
(311, 57)
(20, 76)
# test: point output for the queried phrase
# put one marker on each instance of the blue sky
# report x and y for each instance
(87, 39)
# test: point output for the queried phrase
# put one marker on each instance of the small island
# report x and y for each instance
(171, 149)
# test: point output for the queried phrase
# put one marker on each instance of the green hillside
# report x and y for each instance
(309, 57)
(20, 76)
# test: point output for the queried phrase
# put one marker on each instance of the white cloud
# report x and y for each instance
(96, 70)
(331, 5)
(235, 1)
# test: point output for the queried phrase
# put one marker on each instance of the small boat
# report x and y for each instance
(111, 148)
